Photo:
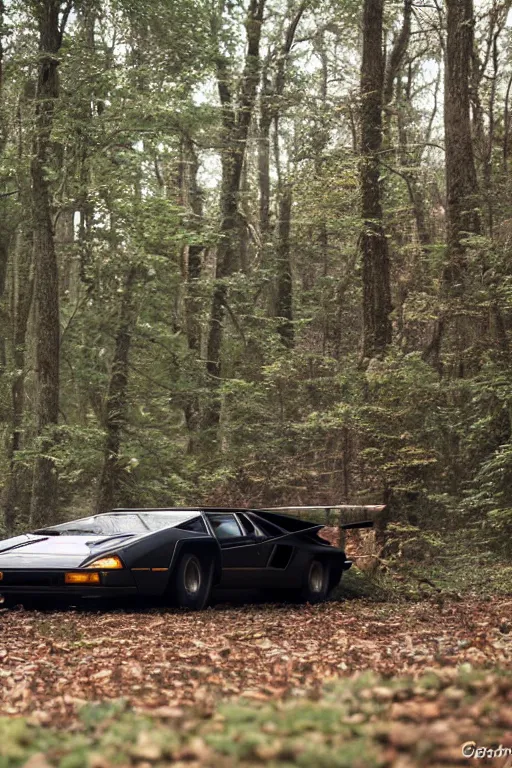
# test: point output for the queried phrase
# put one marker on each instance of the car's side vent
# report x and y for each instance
(281, 556)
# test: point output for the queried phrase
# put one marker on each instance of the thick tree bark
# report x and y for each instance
(46, 285)
(284, 298)
(461, 181)
(374, 247)
(116, 407)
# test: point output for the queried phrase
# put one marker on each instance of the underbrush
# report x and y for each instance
(363, 722)
(419, 564)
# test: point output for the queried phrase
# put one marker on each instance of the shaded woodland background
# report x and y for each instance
(256, 252)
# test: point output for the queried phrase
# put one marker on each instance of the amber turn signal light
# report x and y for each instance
(82, 578)
(1, 575)
(112, 562)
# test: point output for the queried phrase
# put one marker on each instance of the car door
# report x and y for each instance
(244, 549)
(283, 570)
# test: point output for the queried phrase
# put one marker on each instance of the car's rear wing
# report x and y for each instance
(362, 524)
(344, 516)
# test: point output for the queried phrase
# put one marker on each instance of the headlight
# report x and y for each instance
(112, 562)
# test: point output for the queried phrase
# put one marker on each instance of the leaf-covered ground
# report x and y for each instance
(174, 665)
(53, 662)
(365, 722)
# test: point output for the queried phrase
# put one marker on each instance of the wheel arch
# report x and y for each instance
(202, 548)
(333, 561)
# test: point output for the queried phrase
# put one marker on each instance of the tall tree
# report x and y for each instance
(462, 215)
(116, 405)
(236, 118)
(273, 83)
(374, 245)
(5, 229)
(21, 300)
(284, 297)
(51, 18)
(3, 132)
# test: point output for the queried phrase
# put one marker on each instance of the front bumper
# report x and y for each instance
(17, 583)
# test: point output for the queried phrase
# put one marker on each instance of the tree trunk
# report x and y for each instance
(116, 407)
(194, 201)
(5, 233)
(396, 58)
(374, 247)
(46, 285)
(461, 182)
(236, 121)
(284, 298)
(5, 236)
(272, 89)
(21, 303)
(3, 128)
(462, 217)
(264, 166)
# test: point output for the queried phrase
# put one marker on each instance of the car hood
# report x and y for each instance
(39, 551)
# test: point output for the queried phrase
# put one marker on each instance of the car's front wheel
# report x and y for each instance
(192, 582)
(316, 583)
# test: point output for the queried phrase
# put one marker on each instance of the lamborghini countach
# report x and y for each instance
(179, 555)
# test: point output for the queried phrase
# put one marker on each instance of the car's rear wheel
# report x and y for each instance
(192, 582)
(316, 583)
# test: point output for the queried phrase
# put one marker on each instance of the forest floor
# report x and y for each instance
(353, 682)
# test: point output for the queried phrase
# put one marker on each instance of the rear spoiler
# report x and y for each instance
(362, 524)
(356, 516)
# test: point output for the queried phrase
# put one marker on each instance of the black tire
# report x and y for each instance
(192, 582)
(316, 582)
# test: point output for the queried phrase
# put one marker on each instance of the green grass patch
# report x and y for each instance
(355, 723)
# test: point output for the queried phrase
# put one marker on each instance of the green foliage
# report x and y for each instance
(135, 176)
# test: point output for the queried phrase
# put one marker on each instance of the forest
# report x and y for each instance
(256, 253)
(253, 254)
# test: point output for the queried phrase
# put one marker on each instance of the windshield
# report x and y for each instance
(120, 523)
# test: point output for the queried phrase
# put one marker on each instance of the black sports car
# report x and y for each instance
(178, 554)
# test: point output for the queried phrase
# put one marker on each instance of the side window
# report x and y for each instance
(250, 529)
(225, 526)
(196, 525)
(268, 529)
